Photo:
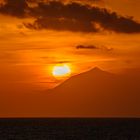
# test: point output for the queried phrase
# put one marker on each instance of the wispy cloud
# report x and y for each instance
(93, 47)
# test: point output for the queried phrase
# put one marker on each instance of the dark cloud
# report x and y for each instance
(61, 25)
(69, 16)
(103, 48)
(14, 8)
(86, 47)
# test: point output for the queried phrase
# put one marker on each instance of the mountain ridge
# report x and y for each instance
(94, 93)
(96, 88)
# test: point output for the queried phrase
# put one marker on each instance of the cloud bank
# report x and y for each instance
(71, 16)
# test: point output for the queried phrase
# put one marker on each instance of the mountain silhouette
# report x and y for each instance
(100, 93)
(94, 93)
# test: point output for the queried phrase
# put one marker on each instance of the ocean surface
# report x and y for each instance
(70, 129)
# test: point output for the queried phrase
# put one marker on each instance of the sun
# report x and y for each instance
(62, 70)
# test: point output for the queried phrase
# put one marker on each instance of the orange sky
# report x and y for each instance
(29, 51)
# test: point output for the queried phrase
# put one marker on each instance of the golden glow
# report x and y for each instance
(61, 70)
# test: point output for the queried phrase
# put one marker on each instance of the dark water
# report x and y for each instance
(69, 129)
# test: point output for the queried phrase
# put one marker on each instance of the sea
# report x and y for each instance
(70, 129)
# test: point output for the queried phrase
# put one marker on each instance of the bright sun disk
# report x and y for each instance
(61, 70)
